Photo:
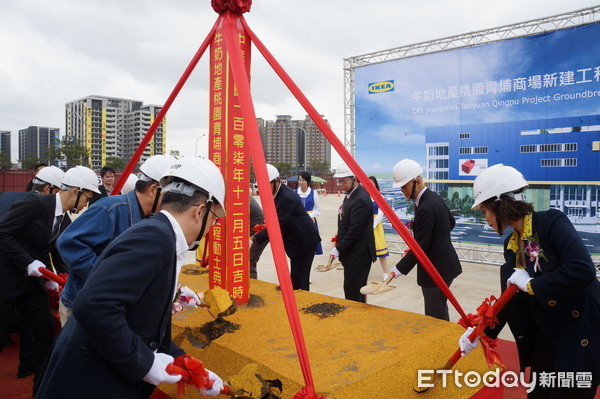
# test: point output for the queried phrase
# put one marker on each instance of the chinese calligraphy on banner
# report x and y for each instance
(229, 239)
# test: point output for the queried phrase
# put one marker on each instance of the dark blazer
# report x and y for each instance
(96, 196)
(355, 239)
(300, 235)
(122, 315)
(565, 306)
(431, 227)
(25, 231)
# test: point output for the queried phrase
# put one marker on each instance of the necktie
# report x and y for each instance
(56, 228)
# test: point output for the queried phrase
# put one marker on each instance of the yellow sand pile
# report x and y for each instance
(356, 350)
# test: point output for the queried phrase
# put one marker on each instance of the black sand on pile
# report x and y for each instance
(201, 337)
(194, 271)
(255, 301)
(324, 309)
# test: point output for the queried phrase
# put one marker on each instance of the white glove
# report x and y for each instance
(384, 276)
(176, 308)
(51, 285)
(216, 386)
(520, 278)
(466, 346)
(158, 373)
(32, 268)
(334, 252)
(395, 272)
(193, 302)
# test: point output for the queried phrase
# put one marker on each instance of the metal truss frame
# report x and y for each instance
(467, 252)
(532, 27)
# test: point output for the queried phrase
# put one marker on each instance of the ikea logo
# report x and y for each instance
(381, 87)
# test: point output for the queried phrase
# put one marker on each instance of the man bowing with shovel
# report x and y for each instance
(118, 341)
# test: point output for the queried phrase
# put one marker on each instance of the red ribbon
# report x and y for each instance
(485, 317)
(259, 227)
(334, 239)
(195, 374)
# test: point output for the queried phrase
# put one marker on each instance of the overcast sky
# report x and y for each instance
(55, 51)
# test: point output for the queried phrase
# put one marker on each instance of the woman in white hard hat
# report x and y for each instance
(555, 317)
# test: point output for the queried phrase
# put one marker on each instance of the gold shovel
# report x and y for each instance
(330, 265)
(378, 288)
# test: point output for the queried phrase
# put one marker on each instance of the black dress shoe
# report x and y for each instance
(25, 370)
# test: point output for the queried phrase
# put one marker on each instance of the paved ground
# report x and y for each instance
(475, 283)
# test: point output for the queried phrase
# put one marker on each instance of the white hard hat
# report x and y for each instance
(343, 171)
(495, 181)
(155, 166)
(405, 171)
(199, 174)
(272, 172)
(51, 175)
(129, 184)
(81, 177)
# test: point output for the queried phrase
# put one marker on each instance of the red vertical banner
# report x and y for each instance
(229, 251)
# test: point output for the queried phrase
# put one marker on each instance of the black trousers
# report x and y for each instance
(356, 275)
(436, 303)
(256, 251)
(300, 271)
(31, 300)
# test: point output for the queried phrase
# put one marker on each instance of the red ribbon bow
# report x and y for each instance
(259, 227)
(485, 318)
(334, 239)
(195, 374)
(236, 6)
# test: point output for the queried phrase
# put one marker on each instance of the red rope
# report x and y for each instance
(259, 162)
(163, 111)
(358, 172)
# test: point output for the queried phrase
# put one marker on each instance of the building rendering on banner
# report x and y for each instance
(5, 142)
(109, 126)
(298, 143)
(525, 95)
(34, 142)
(559, 156)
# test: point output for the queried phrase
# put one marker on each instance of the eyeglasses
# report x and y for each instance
(85, 195)
(217, 219)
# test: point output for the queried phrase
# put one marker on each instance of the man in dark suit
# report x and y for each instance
(300, 236)
(27, 234)
(431, 228)
(355, 244)
(46, 181)
(118, 341)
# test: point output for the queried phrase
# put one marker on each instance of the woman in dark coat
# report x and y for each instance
(555, 315)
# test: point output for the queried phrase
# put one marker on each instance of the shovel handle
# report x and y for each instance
(52, 276)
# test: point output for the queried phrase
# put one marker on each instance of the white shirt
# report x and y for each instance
(316, 211)
(419, 196)
(58, 211)
(181, 247)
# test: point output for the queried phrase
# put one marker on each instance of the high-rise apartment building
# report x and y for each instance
(35, 141)
(109, 126)
(299, 143)
(5, 142)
